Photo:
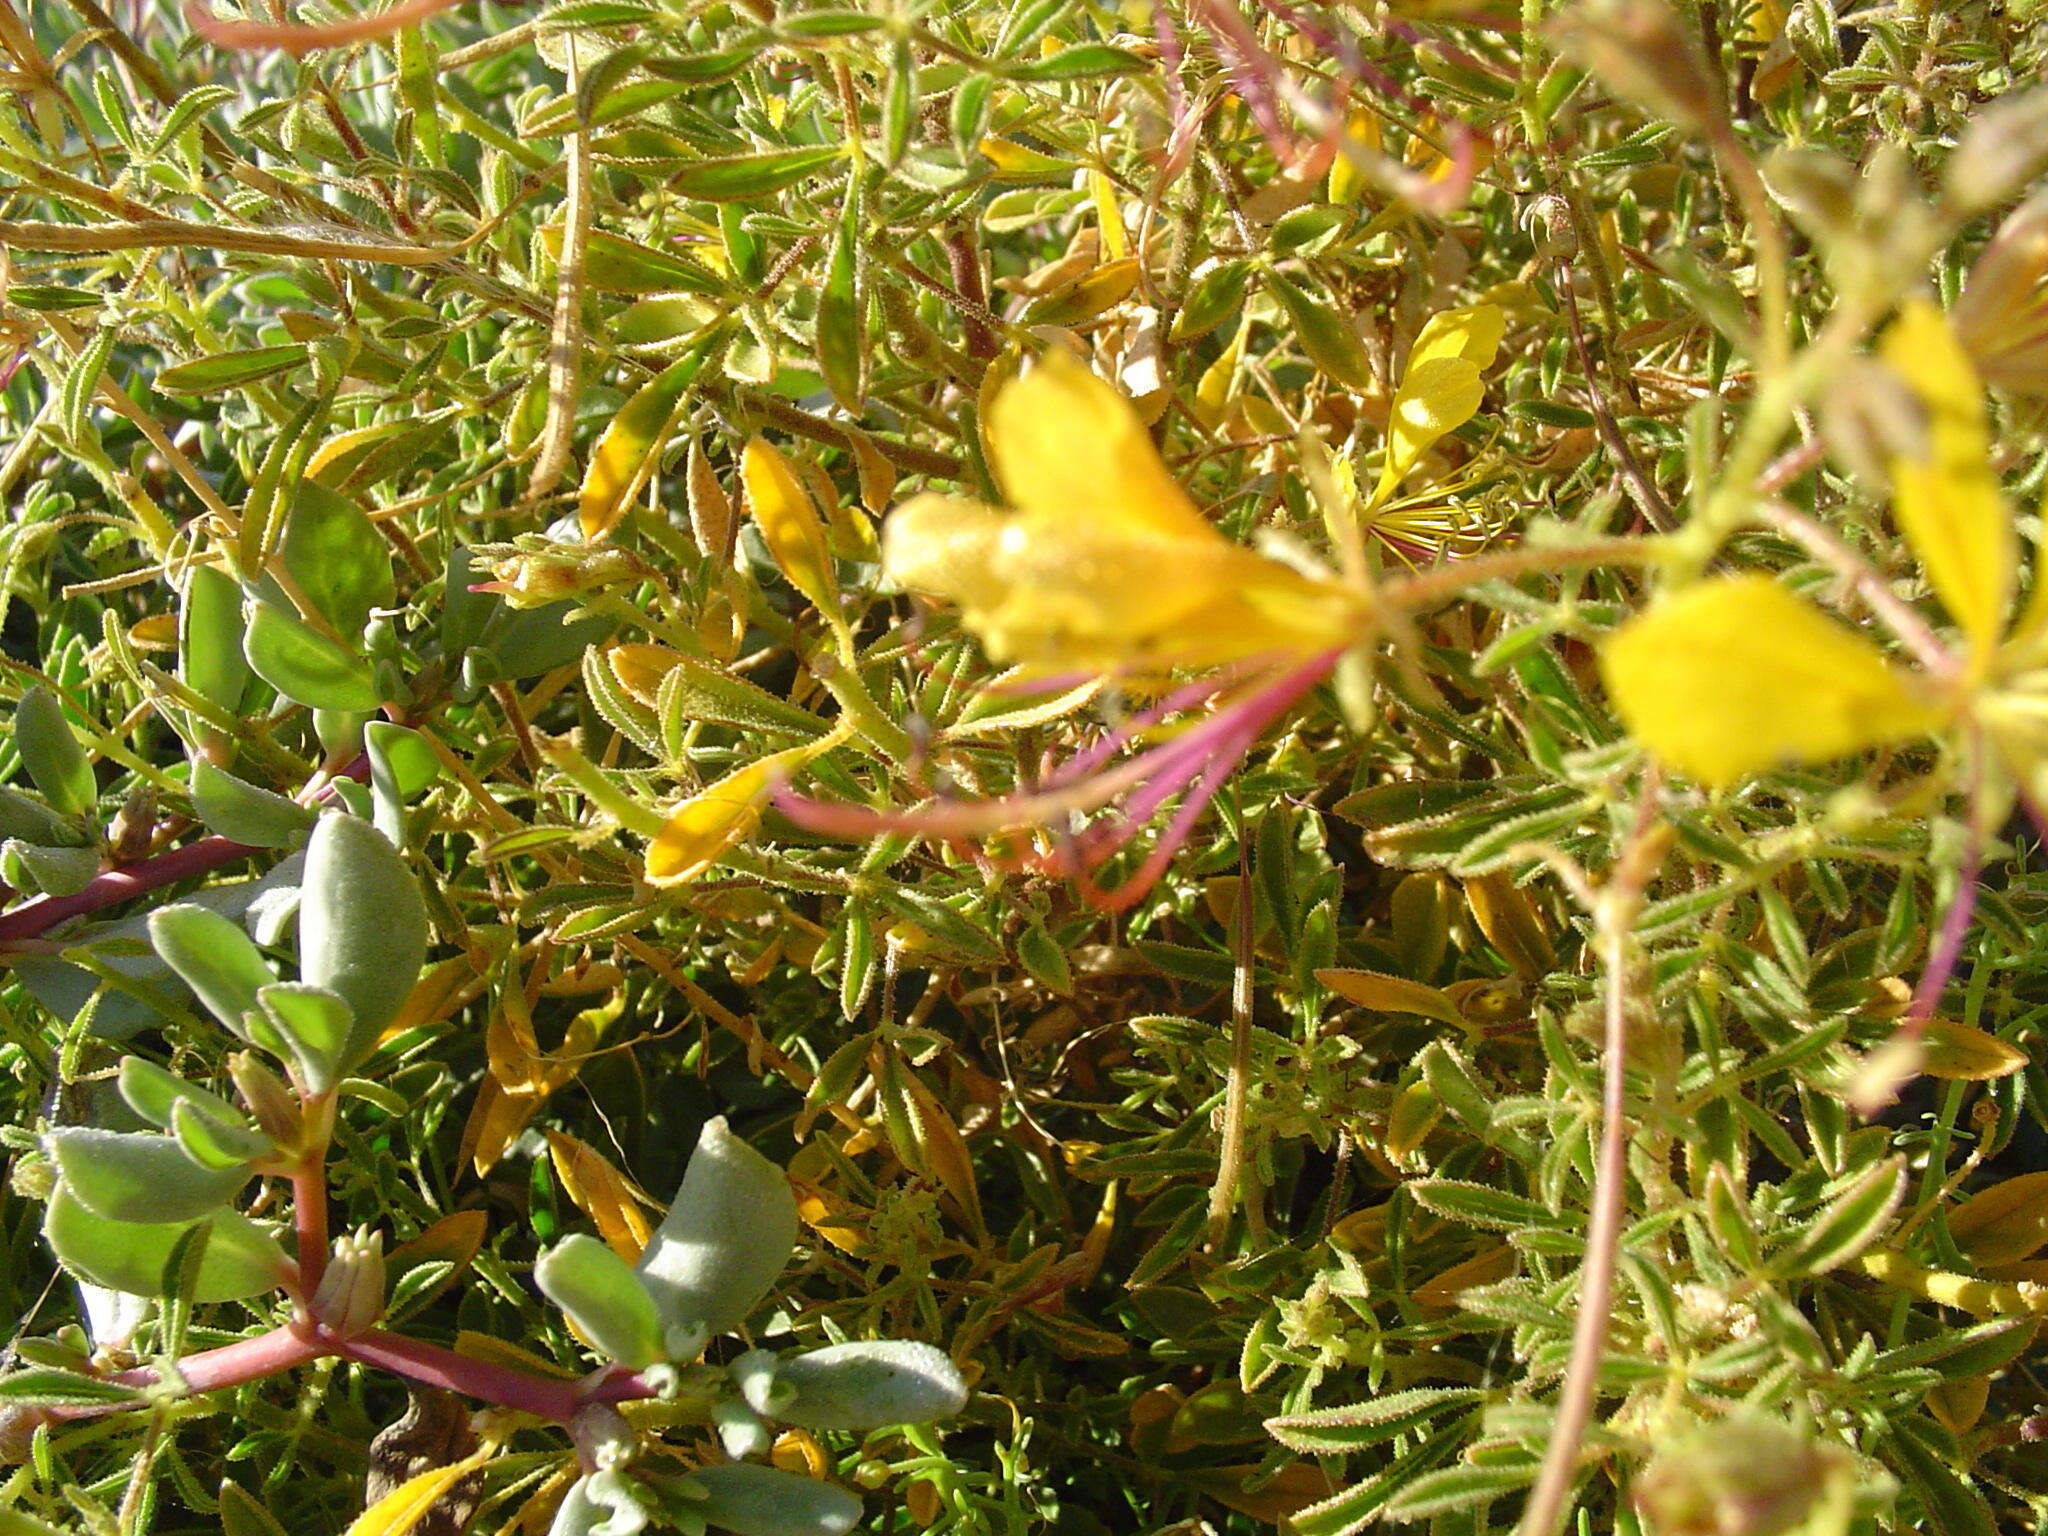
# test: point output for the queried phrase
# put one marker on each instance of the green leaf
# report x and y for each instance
(841, 335)
(228, 370)
(53, 871)
(1455, 1488)
(242, 1259)
(1482, 1206)
(1336, 1431)
(51, 1388)
(1213, 299)
(1851, 1222)
(246, 813)
(726, 1237)
(599, 1292)
(402, 768)
(213, 1144)
(336, 556)
(139, 1176)
(214, 957)
(751, 176)
(210, 659)
(31, 821)
(362, 924)
(153, 1093)
(1325, 335)
(56, 763)
(317, 1026)
(304, 665)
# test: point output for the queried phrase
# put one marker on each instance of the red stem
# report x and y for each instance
(116, 885)
(309, 1219)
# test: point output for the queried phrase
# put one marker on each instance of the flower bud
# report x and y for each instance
(1744, 1475)
(350, 1296)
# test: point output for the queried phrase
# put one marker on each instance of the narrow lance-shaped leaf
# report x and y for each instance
(1849, 1224)
(631, 447)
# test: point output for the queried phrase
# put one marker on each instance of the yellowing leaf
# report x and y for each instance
(1440, 388)
(602, 1193)
(640, 668)
(2005, 1223)
(789, 522)
(1736, 675)
(1391, 994)
(631, 447)
(406, 1505)
(700, 829)
(1962, 1053)
(1947, 500)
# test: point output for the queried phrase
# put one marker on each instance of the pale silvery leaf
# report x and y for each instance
(860, 1386)
(751, 1500)
(729, 1233)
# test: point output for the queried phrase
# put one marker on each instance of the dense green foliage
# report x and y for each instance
(375, 436)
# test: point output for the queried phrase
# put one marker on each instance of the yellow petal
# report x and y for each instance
(1947, 500)
(789, 522)
(1733, 676)
(1440, 387)
(944, 546)
(1068, 445)
(1472, 333)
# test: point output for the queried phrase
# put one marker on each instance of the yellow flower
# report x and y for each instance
(1104, 564)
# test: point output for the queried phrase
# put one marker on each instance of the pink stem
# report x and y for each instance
(118, 885)
(543, 1396)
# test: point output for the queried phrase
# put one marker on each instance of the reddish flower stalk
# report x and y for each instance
(1191, 768)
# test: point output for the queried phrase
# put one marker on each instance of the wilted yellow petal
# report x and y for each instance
(1733, 676)
(1067, 444)
(789, 522)
(1947, 501)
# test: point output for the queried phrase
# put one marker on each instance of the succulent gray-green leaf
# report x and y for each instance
(602, 1504)
(751, 1500)
(213, 957)
(29, 819)
(56, 763)
(246, 812)
(598, 1292)
(340, 562)
(362, 924)
(210, 658)
(53, 871)
(863, 1385)
(139, 1176)
(214, 1145)
(241, 1260)
(728, 1234)
(316, 1025)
